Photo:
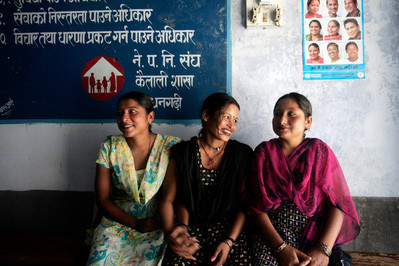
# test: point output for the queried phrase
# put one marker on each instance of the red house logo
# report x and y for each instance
(102, 78)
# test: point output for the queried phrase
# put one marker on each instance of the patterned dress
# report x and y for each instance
(295, 192)
(211, 234)
(136, 192)
(290, 223)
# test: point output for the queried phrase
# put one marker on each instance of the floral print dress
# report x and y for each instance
(136, 192)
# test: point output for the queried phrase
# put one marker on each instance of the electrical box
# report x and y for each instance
(263, 13)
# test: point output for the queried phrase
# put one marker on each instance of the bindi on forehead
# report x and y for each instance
(232, 115)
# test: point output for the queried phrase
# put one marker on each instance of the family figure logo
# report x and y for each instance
(102, 78)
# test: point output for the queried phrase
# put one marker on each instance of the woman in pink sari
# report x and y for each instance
(297, 196)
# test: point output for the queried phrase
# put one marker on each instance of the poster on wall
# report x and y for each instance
(333, 39)
(69, 60)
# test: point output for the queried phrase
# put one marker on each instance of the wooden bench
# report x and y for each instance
(374, 259)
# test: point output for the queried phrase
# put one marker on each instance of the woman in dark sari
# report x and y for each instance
(298, 196)
(204, 183)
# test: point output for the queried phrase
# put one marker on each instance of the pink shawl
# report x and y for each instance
(308, 177)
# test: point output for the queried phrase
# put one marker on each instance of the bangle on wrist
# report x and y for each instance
(280, 248)
(231, 239)
(185, 225)
(324, 248)
(228, 244)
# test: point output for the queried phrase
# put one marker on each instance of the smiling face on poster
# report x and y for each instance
(314, 32)
(313, 7)
(331, 25)
(353, 29)
(333, 52)
(351, 7)
(333, 29)
(353, 52)
(332, 8)
(314, 54)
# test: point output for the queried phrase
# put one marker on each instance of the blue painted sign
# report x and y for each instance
(70, 60)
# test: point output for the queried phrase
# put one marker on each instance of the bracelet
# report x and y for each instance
(185, 225)
(280, 248)
(232, 240)
(325, 249)
(228, 244)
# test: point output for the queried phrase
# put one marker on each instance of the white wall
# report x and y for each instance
(357, 118)
(58, 156)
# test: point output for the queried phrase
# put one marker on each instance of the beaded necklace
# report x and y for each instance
(212, 160)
